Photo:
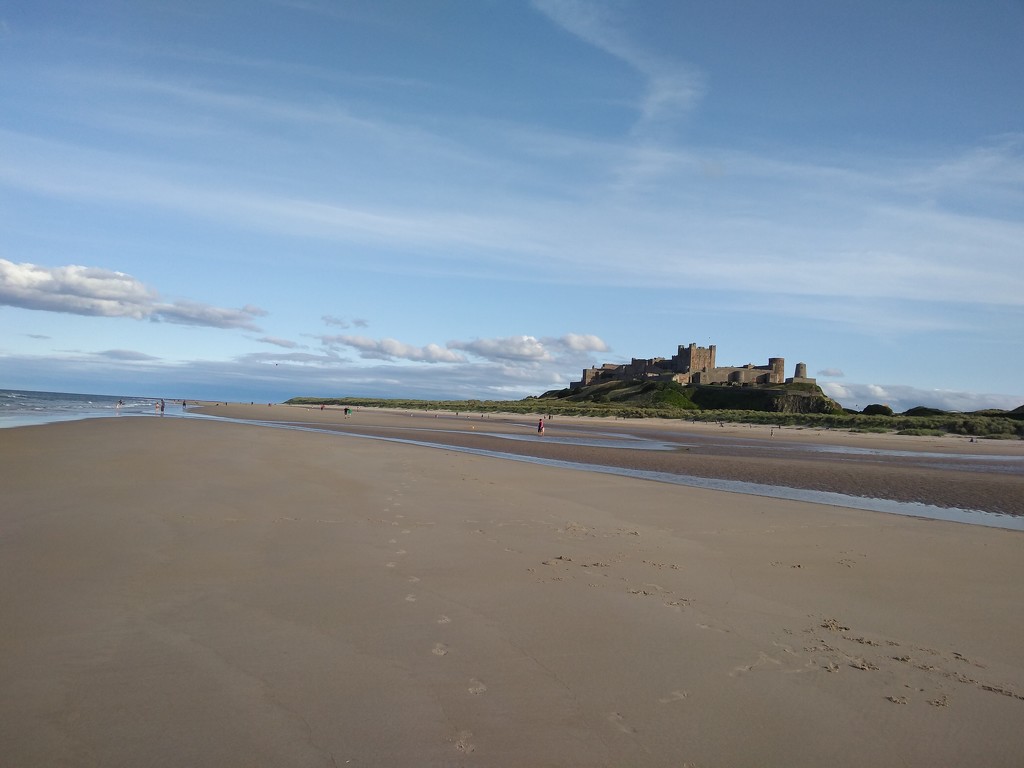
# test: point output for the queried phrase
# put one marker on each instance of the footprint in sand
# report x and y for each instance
(410, 598)
(439, 649)
(616, 719)
(442, 619)
(674, 696)
(390, 565)
(762, 659)
(413, 579)
(715, 629)
(476, 687)
(462, 742)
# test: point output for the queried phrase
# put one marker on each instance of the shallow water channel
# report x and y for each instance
(961, 462)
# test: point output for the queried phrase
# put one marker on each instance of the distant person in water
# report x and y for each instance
(162, 405)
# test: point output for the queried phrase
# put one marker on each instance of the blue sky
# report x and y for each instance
(469, 199)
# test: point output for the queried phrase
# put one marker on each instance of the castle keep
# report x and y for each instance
(694, 365)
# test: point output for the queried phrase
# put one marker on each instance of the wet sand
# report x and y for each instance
(196, 592)
(948, 471)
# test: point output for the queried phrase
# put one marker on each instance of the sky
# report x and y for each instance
(472, 199)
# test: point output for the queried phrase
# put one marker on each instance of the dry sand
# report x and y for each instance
(185, 592)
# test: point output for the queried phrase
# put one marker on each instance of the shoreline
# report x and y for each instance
(231, 596)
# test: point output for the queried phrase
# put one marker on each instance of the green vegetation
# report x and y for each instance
(922, 411)
(744, 405)
(788, 398)
(876, 409)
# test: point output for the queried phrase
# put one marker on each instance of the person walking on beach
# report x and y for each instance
(540, 426)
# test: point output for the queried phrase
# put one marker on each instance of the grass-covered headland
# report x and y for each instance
(792, 405)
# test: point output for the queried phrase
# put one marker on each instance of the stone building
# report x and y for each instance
(694, 365)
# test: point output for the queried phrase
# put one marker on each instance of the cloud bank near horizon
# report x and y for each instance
(285, 374)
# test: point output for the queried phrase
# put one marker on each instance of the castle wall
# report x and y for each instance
(694, 365)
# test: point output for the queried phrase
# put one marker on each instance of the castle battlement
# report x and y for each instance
(694, 365)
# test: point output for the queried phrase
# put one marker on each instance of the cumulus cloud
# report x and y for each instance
(74, 289)
(581, 342)
(570, 347)
(831, 373)
(98, 292)
(509, 348)
(392, 349)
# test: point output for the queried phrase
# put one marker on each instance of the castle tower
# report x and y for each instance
(694, 358)
(801, 371)
(776, 370)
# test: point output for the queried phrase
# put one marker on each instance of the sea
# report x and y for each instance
(21, 408)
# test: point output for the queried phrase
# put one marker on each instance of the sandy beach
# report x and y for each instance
(207, 593)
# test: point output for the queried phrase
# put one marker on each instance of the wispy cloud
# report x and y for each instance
(194, 313)
(767, 226)
(342, 322)
(277, 342)
(127, 355)
(98, 292)
(670, 87)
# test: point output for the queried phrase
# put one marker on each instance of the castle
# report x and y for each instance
(694, 365)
